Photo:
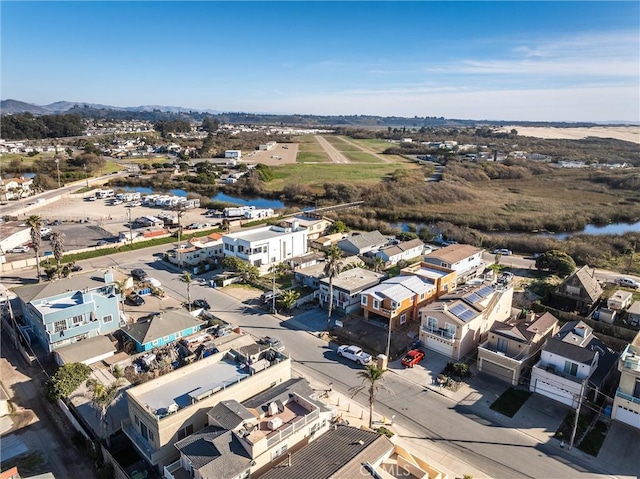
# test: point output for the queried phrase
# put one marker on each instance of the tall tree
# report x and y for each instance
(186, 277)
(378, 265)
(332, 268)
(121, 288)
(372, 377)
(35, 223)
(57, 243)
(102, 397)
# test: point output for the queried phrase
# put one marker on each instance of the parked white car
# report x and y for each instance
(355, 354)
(19, 249)
(627, 283)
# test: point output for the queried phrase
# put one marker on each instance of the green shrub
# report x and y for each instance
(67, 379)
(385, 432)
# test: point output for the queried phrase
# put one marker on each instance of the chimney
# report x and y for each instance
(289, 460)
(531, 316)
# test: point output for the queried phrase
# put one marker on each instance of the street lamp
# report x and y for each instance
(129, 220)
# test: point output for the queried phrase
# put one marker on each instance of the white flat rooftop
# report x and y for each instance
(430, 273)
(185, 389)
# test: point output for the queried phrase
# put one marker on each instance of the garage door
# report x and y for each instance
(496, 370)
(546, 389)
(627, 416)
(442, 347)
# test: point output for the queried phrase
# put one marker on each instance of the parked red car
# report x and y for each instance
(412, 358)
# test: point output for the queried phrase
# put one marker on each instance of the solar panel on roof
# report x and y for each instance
(462, 312)
(473, 298)
(457, 309)
(484, 291)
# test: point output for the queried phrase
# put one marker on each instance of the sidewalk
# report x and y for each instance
(358, 415)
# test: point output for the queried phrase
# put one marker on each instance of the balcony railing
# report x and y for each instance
(628, 397)
(280, 435)
(142, 444)
(171, 469)
(443, 333)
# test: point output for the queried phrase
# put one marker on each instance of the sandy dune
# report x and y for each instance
(625, 133)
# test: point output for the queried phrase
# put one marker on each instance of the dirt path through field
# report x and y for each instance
(333, 154)
(366, 149)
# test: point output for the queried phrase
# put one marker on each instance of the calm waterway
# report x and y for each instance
(258, 202)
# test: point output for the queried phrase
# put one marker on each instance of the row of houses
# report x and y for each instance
(15, 188)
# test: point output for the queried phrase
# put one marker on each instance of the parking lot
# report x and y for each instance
(86, 223)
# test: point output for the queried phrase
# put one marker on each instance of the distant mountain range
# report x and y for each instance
(16, 106)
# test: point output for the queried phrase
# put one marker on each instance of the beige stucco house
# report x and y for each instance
(512, 347)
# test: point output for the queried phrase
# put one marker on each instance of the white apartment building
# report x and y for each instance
(267, 245)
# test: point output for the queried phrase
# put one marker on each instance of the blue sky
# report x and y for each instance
(542, 61)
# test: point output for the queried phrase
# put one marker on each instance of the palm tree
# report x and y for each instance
(35, 223)
(332, 268)
(378, 265)
(186, 277)
(57, 243)
(372, 377)
(226, 225)
(121, 287)
(102, 397)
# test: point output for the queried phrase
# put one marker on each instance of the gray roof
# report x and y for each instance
(215, 453)
(48, 289)
(161, 325)
(634, 308)
(86, 350)
(588, 281)
(281, 392)
(365, 240)
(355, 279)
(330, 455)
(230, 414)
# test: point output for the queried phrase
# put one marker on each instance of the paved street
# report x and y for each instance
(462, 432)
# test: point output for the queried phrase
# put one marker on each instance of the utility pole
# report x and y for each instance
(389, 340)
(129, 221)
(575, 423)
(58, 169)
(273, 290)
(633, 253)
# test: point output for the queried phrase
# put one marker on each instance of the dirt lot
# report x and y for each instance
(625, 133)
(37, 423)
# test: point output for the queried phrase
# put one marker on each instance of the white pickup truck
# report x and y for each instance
(355, 354)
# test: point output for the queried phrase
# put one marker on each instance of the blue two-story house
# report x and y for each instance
(62, 312)
(162, 328)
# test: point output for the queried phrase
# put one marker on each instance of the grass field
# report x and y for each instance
(340, 144)
(310, 151)
(316, 175)
(377, 145)
(361, 157)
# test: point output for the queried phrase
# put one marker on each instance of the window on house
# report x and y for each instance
(78, 320)
(107, 319)
(446, 265)
(636, 389)
(403, 318)
(570, 368)
(451, 329)
(502, 345)
(376, 304)
(137, 420)
(185, 432)
(279, 452)
(363, 300)
(421, 296)
(59, 326)
(240, 249)
(432, 323)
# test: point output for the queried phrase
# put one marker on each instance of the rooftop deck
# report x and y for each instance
(184, 390)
